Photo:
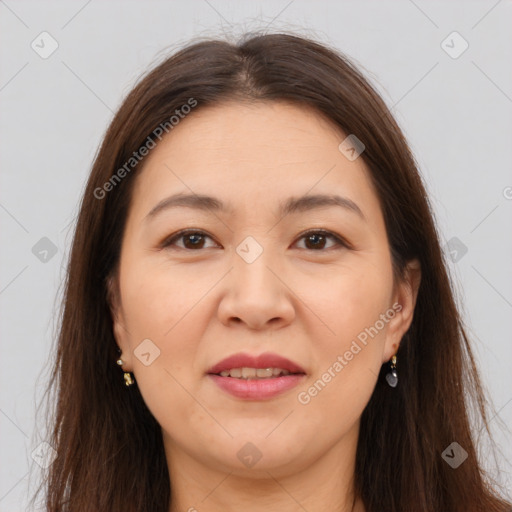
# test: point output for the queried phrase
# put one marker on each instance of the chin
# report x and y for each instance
(259, 454)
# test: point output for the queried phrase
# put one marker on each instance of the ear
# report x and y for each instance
(405, 295)
(117, 316)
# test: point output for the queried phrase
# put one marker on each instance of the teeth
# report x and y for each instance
(248, 373)
(254, 373)
(236, 372)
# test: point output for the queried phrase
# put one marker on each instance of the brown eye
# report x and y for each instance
(195, 240)
(316, 240)
(191, 240)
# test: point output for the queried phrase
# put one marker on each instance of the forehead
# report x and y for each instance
(252, 155)
(243, 129)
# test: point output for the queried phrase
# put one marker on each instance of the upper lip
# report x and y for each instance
(266, 360)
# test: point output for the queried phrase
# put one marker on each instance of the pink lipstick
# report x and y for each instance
(256, 377)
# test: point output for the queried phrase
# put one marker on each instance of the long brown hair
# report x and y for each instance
(109, 446)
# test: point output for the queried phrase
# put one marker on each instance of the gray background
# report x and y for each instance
(456, 113)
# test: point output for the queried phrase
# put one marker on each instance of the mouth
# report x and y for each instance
(256, 377)
(255, 373)
(249, 366)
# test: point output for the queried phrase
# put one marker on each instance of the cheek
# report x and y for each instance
(354, 311)
(347, 301)
(168, 306)
(346, 363)
(159, 298)
(167, 385)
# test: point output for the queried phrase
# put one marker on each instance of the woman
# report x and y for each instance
(257, 312)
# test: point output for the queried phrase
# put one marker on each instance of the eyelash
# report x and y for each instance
(180, 234)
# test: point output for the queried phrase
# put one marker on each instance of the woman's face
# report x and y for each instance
(255, 277)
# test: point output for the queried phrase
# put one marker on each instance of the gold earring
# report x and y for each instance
(128, 381)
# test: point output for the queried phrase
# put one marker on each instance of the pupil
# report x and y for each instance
(315, 237)
(195, 237)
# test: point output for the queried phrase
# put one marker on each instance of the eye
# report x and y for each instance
(316, 239)
(194, 239)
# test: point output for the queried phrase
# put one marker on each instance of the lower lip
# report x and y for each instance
(257, 389)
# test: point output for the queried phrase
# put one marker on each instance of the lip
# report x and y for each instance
(265, 360)
(257, 389)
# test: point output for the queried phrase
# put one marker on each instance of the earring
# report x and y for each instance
(392, 377)
(128, 381)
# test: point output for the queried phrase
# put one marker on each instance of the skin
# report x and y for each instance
(200, 305)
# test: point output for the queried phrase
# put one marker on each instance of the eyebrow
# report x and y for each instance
(290, 206)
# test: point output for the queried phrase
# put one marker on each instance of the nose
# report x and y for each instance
(256, 294)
